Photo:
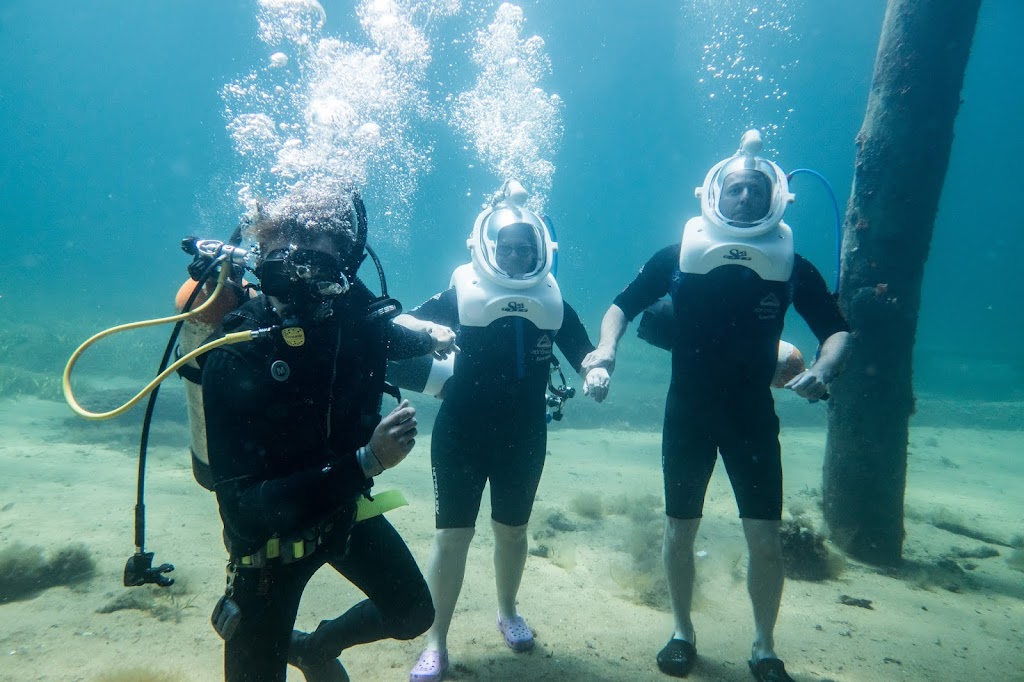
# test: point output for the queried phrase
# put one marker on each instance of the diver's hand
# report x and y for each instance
(394, 436)
(596, 384)
(444, 340)
(811, 384)
(603, 357)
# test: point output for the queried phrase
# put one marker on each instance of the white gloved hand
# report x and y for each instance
(596, 384)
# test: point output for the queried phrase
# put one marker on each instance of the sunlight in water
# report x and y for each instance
(513, 124)
(746, 59)
(331, 114)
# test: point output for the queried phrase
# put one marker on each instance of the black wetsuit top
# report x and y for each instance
(506, 361)
(492, 426)
(282, 450)
(728, 322)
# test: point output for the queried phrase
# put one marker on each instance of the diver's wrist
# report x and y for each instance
(368, 462)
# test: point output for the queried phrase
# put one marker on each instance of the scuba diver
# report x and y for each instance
(295, 439)
(508, 312)
(730, 281)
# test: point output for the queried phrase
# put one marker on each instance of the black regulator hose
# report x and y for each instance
(139, 570)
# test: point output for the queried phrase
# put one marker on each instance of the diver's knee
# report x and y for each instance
(763, 538)
(416, 620)
(508, 534)
(681, 531)
(453, 538)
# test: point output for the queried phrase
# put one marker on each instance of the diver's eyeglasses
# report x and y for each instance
(521, 251)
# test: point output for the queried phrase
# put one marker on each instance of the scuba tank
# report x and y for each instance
(195, 330)
(425, 374)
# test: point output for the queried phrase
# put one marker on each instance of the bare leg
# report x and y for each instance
(510, 547)
(765, 577)
(677, 553)
(445, 573)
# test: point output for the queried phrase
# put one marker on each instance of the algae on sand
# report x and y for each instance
(25, 570)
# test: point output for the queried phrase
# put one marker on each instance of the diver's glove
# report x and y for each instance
(596, 384)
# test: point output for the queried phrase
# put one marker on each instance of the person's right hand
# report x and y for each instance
(600, 357)
(394, 436)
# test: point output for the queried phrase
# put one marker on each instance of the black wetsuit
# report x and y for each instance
(283, 426)
(727, 327)
(492, 423)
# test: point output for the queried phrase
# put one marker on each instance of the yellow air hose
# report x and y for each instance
(237, 337)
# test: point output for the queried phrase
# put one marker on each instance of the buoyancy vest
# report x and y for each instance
(358, 340)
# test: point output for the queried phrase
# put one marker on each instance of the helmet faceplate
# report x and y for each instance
(496, 224)
(745, 158)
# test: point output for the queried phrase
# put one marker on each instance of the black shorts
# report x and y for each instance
(468, 450)
(743, 427)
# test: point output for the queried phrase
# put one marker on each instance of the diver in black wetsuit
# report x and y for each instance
(491, 427)
(730, 281)
(295, 438)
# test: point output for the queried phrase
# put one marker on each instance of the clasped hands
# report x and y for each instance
(596, 368)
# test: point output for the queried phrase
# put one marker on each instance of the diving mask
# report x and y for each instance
(301, 276)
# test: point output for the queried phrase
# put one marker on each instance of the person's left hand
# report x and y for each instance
(811, 384)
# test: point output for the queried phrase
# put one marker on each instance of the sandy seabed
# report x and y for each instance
(948, 616)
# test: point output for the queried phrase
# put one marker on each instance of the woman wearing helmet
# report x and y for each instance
(491, 428)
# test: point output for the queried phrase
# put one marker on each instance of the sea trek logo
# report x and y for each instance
(736, 254)
(515, 307)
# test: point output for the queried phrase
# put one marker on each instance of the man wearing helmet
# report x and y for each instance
(730, 280)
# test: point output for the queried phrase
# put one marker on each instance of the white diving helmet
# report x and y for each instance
(533, 244)
(745, 159)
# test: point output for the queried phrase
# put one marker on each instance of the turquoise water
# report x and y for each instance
(115, 147)
(116, 142)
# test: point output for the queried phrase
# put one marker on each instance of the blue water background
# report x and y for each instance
(113, 147)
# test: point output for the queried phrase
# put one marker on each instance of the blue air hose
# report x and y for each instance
(835, 211)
